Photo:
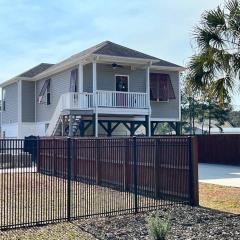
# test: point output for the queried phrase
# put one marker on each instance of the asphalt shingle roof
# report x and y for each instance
(113, 49)
(36, 70)
(165, 64)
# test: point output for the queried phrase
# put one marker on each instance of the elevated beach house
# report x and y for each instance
(107, 89)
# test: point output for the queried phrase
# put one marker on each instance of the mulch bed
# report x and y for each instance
(187, 223)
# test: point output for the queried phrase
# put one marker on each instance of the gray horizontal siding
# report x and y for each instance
(87, 76)
(168, 110)
(106, 78)
(59, 85)
(106, 81)
(28, 101)
(10, 115)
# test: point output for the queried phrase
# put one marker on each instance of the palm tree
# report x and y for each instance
(216, 64)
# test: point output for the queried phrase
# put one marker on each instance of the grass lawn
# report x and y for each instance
(57, 231)
(220, 197)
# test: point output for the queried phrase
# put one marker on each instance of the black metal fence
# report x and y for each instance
(54, 179)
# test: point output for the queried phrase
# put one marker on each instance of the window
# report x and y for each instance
(73, 81)
(45, 88)
(161, 88)
(122, 83)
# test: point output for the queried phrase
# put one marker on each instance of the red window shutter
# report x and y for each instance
(153, 87)
(163, 87)
(171, 90)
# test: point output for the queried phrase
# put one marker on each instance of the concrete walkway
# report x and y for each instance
(219, 174)
(19, 170)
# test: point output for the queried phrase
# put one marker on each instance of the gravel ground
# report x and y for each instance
(187, 223)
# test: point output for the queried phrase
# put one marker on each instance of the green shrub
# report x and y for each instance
(158, 227)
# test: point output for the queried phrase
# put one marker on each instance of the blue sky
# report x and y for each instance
(49, 31)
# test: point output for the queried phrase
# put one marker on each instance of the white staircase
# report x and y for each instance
(69, 101)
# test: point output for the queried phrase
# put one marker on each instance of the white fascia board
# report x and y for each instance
(14, 80)
(123, 111)
(165, 68)
(128, 60)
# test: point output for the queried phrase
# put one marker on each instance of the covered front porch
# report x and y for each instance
(106, 86)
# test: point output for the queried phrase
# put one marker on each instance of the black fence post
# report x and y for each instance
(135, 177)
(69, 171)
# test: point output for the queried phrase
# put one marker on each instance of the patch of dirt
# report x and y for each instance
(220, 197)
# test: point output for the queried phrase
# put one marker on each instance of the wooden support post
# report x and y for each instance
(132, 128)
(147, 125)
(70, 130)
(153, 127)
(109, 129)
(81, 128)
(178, 128)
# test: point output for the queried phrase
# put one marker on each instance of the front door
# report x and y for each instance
(121, 87)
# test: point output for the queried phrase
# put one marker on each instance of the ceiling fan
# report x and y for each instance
(115, 65)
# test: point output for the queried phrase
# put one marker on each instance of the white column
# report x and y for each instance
(148, 83)
(19, 109)
(80, 78)
(148, 98)
(94, 64)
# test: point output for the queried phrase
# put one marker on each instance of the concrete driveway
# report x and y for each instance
(219, 174)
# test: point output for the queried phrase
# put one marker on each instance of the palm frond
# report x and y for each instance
(214, 19)
(206, 38)
(232, 6)
(222, 88)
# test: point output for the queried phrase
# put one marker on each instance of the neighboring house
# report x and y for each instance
(203, 128)
(107, 89)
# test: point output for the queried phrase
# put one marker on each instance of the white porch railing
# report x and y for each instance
(116, 99)
(103, 99)
(77, 101)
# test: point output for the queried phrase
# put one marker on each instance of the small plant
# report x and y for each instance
(158, 227)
